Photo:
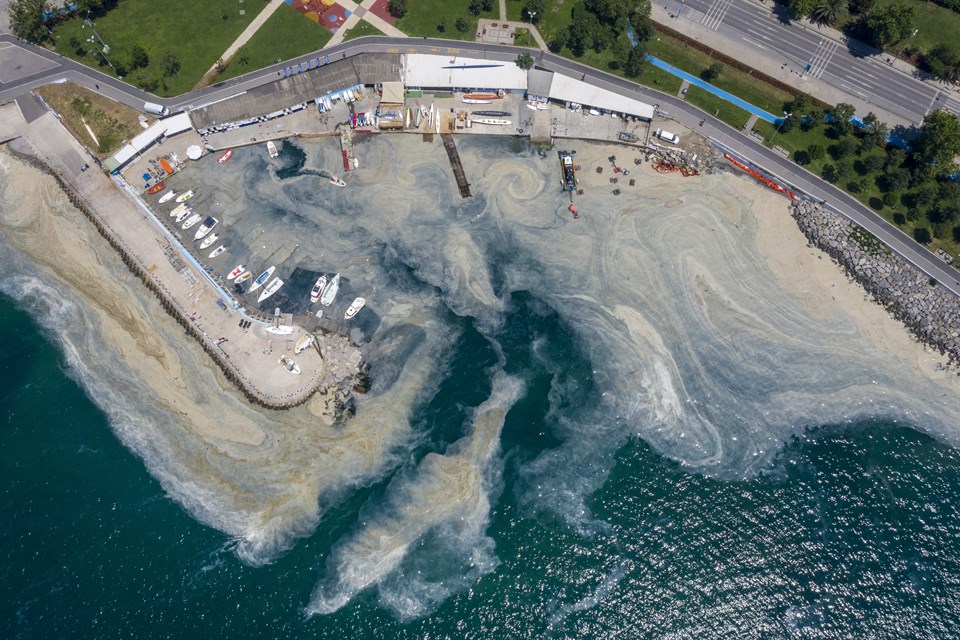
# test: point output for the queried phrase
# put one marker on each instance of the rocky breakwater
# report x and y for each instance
(928, 310)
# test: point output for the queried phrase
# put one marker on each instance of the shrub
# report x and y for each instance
(922, 235)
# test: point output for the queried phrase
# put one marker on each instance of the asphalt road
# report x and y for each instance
(861, 72)
(679, 110)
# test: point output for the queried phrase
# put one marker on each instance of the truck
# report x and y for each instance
(155, 109)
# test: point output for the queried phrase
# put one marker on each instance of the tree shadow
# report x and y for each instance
(876, 203)
(783, 14)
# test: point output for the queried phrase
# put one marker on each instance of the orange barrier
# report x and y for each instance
(770, 183)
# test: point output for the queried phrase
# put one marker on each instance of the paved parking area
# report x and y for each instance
(18, 63)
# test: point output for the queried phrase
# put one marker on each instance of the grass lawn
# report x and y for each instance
(515, 10)
(717, 107)
(111, 122)
(439, 19)
(196, 32)
(363, 28)
(287, 34)
(935, 25)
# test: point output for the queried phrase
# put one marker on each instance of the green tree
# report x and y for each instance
(462, 24)
(533, 11)
(243, 57)
(890, 24)
(397, 8)
(138, 57)
(895, 180)
(801, 8)
(843, 149)
(525, 61)
(895, 159)
(220, 67)
(479, 6)
(559, 41)
(861, 7)
(889, 198)
(943, 61)
(816, 152)
(76, 45)
(829, 12)
(947, 207)
(830, 173)
(922, 235)
(171, 63)
(25, 20)
(872, 164)
(636, 60)
(585, 31)
(840, 118)
(712, 72)
(938, 143)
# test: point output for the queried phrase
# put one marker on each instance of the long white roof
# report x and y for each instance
(567, 89)
(450, 72)
(166, 127)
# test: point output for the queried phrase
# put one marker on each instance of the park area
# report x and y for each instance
(162, 46)
(101, 124)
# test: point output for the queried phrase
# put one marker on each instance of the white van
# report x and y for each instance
(672, 138)
(155, 109)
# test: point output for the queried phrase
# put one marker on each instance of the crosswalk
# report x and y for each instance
(716, 13)
(821, 57)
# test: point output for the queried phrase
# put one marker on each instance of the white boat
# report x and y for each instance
(192, 220)
(354, 308)
(205, 228)
(303, 343)
(168, 196)
(209, 240)
(337, 182)
(475, 101)
(261, 279)
(289, 365)
(282, 330)
(218, 251)
(270, 289)
(272, 149)
(183, 215)
(330, 291)
(237, 270)
(319, 314)
(243, 277)
(494, 121)
(318, 288)
(183, 197)
(177, 210)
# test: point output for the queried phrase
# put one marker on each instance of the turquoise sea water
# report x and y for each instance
(853, 531)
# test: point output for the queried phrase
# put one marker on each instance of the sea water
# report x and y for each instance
(566, 523)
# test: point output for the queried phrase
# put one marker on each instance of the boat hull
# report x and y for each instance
(157, 188)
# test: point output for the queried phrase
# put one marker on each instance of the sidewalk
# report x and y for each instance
(360, 12)
(251, 29)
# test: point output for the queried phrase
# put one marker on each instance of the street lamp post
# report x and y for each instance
(533, 14)
(785, 116)
(103, 49)
(905, 43)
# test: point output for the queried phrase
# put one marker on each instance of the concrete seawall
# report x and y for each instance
(930, 312)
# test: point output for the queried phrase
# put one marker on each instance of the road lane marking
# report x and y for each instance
(754, 43)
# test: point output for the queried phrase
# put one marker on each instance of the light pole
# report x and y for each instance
(905, 43)
(104, 49)
(533, 14)
(785, 116)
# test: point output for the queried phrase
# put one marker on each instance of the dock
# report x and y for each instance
(454, 156)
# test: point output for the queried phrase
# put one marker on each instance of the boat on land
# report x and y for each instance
(318, 288)
(491, 114)
(493, 121)
(157, 188)
(354, 308)
(568, 174)
(209, 240)
(262, 278)
(272, 149)
(206, 227)
(330, 291)
(186, 195)
(481, 96)
(183, 214)
(218, 251)
(166, 165)
(476, 101)
(192, 220)
(303, 343)
(243, 277)
(270, 289)
(237, 270)
(177, 210)
(225, 157)
(289, 365)
(168, 196)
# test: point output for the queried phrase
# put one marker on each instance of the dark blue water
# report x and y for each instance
(853, 532)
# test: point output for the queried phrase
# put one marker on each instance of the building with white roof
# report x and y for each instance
(426, 71)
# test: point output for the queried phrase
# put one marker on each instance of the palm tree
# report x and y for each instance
(829, 11)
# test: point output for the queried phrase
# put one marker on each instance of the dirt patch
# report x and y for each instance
(112, 123)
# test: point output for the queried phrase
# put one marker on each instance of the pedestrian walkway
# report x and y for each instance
(242, 39)
(499, 32)
(358, 12)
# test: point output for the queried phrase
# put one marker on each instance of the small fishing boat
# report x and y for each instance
(272, 149)
(303, 343)
(166, 165)
(354, 308)
(177, 210)
(330, 291)
(337, 182)
(168, 196)
(192, 220)
(218, 251)
(262, 278)
(225, 157)
(319, 314)
(157, 188)
(237, 270)
(183, 214)
(491, 114)
(493, 121)
(208, 224)
(243, 277)
(289, 365)
(476, 101)
(209, 240)
(482, 96)
(270, 289)
(318, 288)
(186, 195)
